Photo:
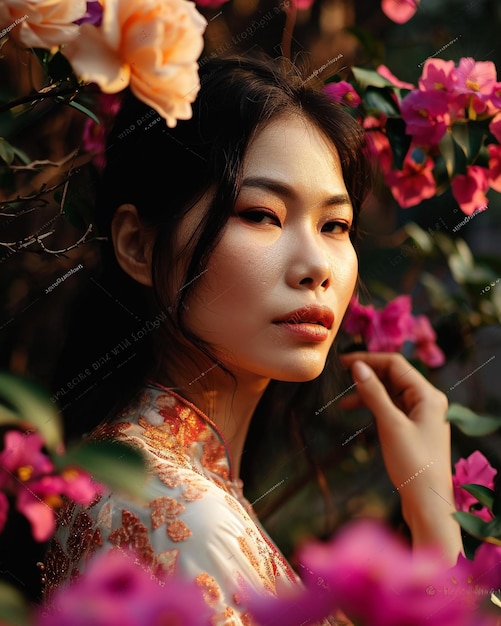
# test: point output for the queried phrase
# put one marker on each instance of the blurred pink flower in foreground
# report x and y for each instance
(372, 576)
(210, 4)
(26, 474)
(117, 590)
(399, 11)
(385, 72)
(476, 470)
(388, 329)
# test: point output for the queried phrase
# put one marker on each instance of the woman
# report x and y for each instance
(231, 264)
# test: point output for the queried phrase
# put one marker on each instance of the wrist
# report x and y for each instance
(435, 528)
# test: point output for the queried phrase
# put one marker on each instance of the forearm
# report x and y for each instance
(431, 523)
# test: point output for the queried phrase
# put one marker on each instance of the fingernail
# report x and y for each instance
(361, 372)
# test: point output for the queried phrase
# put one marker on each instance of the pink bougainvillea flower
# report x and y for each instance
(41, 23)
(469, 189)
(494, 166)
(150, 45)
(475, 77)
(438, 75)
(399, 11)
(477, 470)
(358, 318)
(117, 589)
(27, 474)
(378, 144)
(414, 183)
(343, 93)
(374, 577)
(426, 115)
(424, 338)
(382, 331)
(386, 73)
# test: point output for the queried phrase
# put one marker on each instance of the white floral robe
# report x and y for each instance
(198, 525)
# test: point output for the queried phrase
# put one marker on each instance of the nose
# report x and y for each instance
(310, 266)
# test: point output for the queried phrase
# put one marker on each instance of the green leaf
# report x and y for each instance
(27, 405)
(476, 526)
(21, 155)
(85, 110)
(380, 100)
(471, 423)
(115, 464)
(6, 151)
(482, 493)
(369, 78)
(454, 156)
(14, 609)
(470, 136)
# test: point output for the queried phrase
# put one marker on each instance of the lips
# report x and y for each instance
(311, 314)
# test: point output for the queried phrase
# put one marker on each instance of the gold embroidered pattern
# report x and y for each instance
(211, 590)
(178, 531)
(164, 509)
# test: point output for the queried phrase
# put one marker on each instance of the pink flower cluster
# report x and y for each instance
(388, 329)
(447, 94)
(28, 476)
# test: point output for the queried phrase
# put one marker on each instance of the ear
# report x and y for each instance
(133, 244)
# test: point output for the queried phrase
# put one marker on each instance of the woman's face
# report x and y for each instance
(277, 285)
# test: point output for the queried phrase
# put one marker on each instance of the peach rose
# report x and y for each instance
(41, 23)
(151, 45)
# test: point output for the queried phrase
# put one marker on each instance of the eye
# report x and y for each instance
(259, 216)
(336, 228)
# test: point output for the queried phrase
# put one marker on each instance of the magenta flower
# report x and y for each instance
(94, 135)
(426, 115)
(373, 576)
(476, 79)
(425, 347)
(26, 474)
(438, 75)
(476, 470)
(414, 183)
(343, 93)
(382, 331)
(118, 590)
(469, 189)
(399, 11)
(378, 144)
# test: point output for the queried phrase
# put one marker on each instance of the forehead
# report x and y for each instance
(293, 149)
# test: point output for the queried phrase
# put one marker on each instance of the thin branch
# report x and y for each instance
(290, 21)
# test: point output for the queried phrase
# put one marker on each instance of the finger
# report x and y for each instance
(391, 368)
(374, 395)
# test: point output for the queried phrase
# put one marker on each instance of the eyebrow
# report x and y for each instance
(283, 189)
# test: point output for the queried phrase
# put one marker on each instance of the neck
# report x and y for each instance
(228, 403)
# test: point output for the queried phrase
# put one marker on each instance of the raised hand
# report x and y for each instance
(415, 443)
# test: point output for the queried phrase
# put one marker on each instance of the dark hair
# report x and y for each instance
(164, 172)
